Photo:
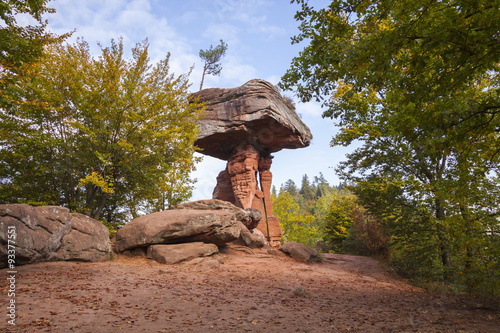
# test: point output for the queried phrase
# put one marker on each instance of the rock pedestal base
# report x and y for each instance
(239, 184)
(271, 230)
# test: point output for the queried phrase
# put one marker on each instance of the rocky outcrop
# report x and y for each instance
(239, 184)
(243, 126)
(174, 253)
(300, 252)
(51, 233)
(178, 226)
(255, 114)
(210, 204)
(242, 168)
(208, 221)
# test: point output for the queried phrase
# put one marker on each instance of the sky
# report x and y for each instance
(258, 34)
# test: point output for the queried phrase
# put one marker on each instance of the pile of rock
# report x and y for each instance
(187, 231)
(190, 230)
(50, 233)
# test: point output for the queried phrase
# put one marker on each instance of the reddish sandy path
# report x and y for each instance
(247, 293)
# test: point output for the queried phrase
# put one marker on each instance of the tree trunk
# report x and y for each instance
(468, 249)
(203, 76)
(443, 248)
(91, 193)
(101, 206)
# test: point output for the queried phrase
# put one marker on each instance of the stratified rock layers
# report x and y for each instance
(253, 114)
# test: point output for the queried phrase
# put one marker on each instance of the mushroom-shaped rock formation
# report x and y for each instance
(243, 126)
(254, 114)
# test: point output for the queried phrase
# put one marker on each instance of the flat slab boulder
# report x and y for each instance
(52, 233)
(250, 217)
(300, 252)
(255, 114)
(174, 253)
(208, 221)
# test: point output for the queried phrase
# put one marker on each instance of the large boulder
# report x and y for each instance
(208, 221)
(174, 253)
(253, 114)
(51, 233)
(300, 252)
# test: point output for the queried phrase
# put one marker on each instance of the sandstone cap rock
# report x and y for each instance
(254, 113)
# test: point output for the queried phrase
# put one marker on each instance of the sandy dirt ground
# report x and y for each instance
(235, 292)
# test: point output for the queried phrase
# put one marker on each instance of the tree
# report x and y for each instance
(98, 134)
(338, 219)
(348, 227)
(406, 53)
(321, 185)
(21, 44)
(417, 83)
(290, 187)
(306, 190)
(211, 57)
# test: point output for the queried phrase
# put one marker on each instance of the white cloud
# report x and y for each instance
(271, 31)
(311, 109)
(189, 17)
(243, 11)
(224, 31)
(134, 21)
(247, 14)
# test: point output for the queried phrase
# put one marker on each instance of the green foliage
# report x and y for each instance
(338, 220)
(211, 57)
(425, 49)
(100, 135)
(21, 45)
(347, 227)
(306, 190)
(417, 84)
(291, 188)
(112, 227)
(321, 215)
(296, 226)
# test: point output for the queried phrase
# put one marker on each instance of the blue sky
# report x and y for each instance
(258, 35)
